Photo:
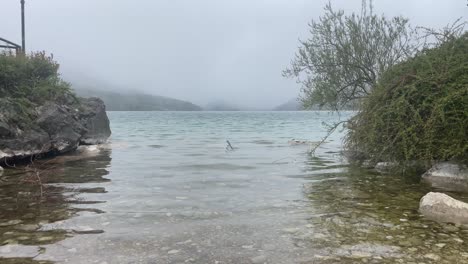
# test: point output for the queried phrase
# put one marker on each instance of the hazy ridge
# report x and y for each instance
(126, 101)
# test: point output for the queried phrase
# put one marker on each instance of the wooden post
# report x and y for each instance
(23, 40)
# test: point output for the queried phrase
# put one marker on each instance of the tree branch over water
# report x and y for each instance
(345, 55)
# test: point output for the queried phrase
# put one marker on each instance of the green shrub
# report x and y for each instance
(419, 109)
(27, 82)
(33, 77)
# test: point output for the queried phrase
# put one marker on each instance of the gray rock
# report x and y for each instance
(24, 144)
(5, 129)
(52, 128)
(448, 175)
(443, 208)
(95, 121)
(62, 127)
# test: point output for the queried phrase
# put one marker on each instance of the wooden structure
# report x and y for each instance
(6, 44)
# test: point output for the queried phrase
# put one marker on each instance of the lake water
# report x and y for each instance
(167, 189)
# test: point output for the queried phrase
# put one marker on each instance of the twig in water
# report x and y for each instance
(284, 159)
(229, 146)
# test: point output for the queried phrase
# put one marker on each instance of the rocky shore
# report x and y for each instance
(438, 206)
(447, 176)
(56, 128)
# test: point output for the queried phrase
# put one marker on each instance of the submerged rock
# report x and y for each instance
(443, 208)
(448, 175)
(384, 167)
(54, 128)
(259, 259)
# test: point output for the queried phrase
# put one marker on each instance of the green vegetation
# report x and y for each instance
(419, 109)
(410, 87)
(344, 56)
(29, 81)
(34, 77)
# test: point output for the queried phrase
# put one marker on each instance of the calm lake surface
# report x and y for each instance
(166, 190)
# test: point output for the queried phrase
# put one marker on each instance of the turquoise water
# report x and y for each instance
(167, 189)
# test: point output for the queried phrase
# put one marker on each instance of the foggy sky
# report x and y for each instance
(196, 50)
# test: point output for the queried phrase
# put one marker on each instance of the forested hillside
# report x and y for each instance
(126, 101)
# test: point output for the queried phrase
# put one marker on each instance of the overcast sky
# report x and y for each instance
(196, 50)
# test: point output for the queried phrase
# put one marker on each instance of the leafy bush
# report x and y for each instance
(33, 77)
(419, 109)
(27, 82)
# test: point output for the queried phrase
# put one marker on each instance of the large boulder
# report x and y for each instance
(51, 128)
(448, 175)
(94, 119)
(443, 208)
(61, 125)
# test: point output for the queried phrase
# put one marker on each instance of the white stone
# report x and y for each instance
(448, 175)
(432, 257)
(248, 246)
(360, 254)
(384, 167)
(259, 259)
(448, 169)
(443, 208)
(291, 230)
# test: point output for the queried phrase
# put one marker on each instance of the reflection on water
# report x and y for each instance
(34, 198)
(169, 192)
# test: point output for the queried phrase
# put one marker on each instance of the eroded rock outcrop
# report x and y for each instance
(52, 128)
(443, 208)
(448, 175)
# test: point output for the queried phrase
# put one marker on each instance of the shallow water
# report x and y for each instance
(167, 190)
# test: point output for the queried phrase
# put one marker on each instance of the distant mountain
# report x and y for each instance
(221, 106)
(291, 105)
(126, 101)
(296, 105)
